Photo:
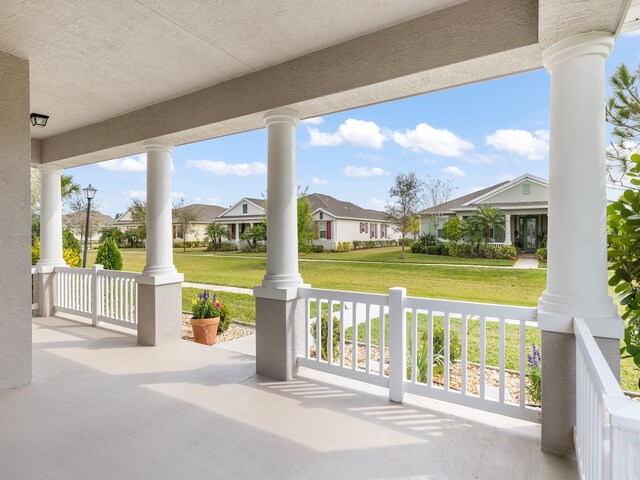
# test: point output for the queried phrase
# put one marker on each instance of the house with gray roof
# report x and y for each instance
(524, 202)
(337, 220)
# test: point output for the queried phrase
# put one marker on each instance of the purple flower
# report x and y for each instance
(534, 359)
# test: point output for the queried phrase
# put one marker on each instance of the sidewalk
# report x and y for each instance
(221, 288)
(526, 262)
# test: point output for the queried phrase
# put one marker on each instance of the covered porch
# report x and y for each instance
(100, 403)
(105, 390)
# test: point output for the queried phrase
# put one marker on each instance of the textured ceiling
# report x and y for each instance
(94, 59)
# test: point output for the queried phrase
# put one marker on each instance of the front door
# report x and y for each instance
(531, 234)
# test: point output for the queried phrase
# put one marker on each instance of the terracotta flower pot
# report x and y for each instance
(205, 330)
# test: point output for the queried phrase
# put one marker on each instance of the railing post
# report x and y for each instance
(96, 293)
(397, 344)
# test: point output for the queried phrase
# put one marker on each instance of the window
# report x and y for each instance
(322, 229)
(371, 230)
(321, 215)
(361, 227)
(526, 188)
(245, 208)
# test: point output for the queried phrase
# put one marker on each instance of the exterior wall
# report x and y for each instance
(252, 210)
(427, 225)
(15, 285)
(537, 193)
(349, 230)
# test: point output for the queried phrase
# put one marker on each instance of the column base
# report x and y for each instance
(159, 310)
(556, 314)
(45, 279)
(279, 333)
(559, 388)
(158, 271)
(282, 281)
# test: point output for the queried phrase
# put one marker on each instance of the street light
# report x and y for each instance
(89, 192)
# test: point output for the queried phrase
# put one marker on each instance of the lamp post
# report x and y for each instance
(89, 192)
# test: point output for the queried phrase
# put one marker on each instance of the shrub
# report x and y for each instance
(541, 253)
(506, 252)
(357, 244)
(69, 241)
(435, 249)
(534, 372)
(324, 335)
(428, 239)
(417, 247)
(109, 256)
(453, 229)
(422, 355)
(71, 257)
(227, 247)
(35, 250)
(343, 247)
(320, 248)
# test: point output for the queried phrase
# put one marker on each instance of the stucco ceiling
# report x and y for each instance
(94, 59)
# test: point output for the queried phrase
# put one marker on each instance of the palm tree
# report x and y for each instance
(254, 235)
(68, 186)
(483, 220)
(214, 233)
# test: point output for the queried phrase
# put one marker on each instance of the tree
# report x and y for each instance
(134, 236)
(414, 228)
(77, 218)
(453, 229)
(214, 233)
(483, 220)
(184, 215)
(111, 232)
(255, 234)
(307, 226)
(623, 113)
(624, 259)
(109, 256)
(69, 187)
(406, 199)
(436, 192)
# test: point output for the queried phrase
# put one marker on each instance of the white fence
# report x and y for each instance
(354, 345)
(607, 433)
(101, 295)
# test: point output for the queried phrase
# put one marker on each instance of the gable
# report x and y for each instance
(238, 211)
(516, 192)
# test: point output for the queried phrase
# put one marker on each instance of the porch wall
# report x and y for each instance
(15, 283)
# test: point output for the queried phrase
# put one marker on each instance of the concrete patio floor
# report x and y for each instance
(101, 407)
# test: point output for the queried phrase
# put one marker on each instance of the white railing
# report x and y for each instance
(607, 433)
(101, 295)
(359, 349)
(495, 244)
(34, 289)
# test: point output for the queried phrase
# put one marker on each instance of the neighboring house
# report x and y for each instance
(340, 221)
(242, 215)
(524, 202)
(76, 222)
(206, 214)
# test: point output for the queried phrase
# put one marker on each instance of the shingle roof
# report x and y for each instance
(205, 213)
(261, 202)
(339, 208)
(97, 218)
(458, 202)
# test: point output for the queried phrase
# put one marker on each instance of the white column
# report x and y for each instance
(577, 240)
(159, 227)
(50, 217)
(507, 230)
(237, 232)
(282, 225)
(577, 268)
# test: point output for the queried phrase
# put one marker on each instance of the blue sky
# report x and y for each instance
(475, 135)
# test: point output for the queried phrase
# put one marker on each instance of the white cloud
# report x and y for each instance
(351, 171)
(313, 121)
(439, 141)
(319, 181)
(455, 171)
(376, 203)
(134, 163)
(521, 142)
(139, 194)
(506, 177)
(368, 157)
(356, 133)
(219, 167)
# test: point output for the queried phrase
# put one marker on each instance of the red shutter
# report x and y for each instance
(328, 230)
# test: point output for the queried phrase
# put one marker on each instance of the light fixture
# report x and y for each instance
(89, 192)
(39, 120)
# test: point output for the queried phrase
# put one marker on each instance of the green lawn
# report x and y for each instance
(243, 307)
(504, 286)
(383, 254)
